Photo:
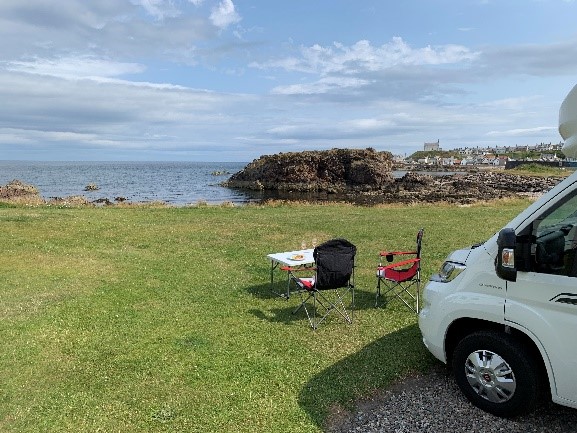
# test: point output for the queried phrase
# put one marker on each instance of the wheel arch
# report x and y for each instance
(460, 328)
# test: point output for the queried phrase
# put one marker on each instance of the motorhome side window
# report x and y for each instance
(555, 239)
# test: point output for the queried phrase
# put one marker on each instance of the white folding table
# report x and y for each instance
(289, 261)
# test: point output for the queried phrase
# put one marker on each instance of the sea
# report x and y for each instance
(174, 183)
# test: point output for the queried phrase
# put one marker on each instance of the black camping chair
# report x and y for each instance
(334, 271)
(401, 277)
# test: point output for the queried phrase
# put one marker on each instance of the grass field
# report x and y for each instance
(162, 320)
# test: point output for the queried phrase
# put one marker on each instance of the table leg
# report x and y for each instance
(288, 284)
(273, 266)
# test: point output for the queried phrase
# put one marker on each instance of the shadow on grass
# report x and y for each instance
(375, 367)
(364, 297)
(266, 291)
(282, 309)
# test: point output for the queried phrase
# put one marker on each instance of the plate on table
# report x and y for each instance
(297, 257)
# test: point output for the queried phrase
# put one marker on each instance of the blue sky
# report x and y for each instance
(231, 80)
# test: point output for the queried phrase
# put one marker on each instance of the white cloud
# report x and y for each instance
(511, 103)
(159, 9)
(224, 14)
(75, 67)
(522, 132)
(362, 56)
(324, 85)
(122, 30)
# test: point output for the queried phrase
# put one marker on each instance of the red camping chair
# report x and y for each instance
(333, 278)
(401, 277)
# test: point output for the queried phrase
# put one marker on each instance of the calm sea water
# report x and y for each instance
(177, 183)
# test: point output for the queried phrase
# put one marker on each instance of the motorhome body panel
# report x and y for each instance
(477, 293)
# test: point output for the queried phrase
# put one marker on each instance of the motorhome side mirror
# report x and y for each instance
(505, 264)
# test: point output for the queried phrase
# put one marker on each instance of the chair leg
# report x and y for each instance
(352, 303)
(418, 294)
(338, 305)
(303, 305)
(303, 302)
(383, 292)
(378, 291)
(322, 301)
(402, 292)
(406, 303)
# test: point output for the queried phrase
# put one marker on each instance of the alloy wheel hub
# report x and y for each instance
(490, 376)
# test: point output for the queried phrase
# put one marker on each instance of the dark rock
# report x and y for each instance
(416, 178)
(91, 187)
(17, 190)
(336, 170)
(104, 201)
(73, 200)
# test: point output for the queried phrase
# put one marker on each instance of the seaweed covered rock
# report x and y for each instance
(335, 170)
(414, 188)
(18, 191)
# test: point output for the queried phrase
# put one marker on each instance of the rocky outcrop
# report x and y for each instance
(22, 193)
(333, 171)
(18, 191)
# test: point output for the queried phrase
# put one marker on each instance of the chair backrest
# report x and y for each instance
(419, 241)
(335, 262)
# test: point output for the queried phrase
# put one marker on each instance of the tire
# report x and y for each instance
(496, 373)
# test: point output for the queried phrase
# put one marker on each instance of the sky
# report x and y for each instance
(232, 80)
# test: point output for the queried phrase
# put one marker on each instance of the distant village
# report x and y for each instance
(543, 153)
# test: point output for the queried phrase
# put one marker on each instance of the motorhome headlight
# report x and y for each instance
(449, 271)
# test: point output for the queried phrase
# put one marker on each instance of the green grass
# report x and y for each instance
(540, 170)
(162, 319)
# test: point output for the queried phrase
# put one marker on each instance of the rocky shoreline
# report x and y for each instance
(19, 192)
(461, 188)
(365, 177)
(363, 184)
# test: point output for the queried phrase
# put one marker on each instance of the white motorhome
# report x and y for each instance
(502, 313)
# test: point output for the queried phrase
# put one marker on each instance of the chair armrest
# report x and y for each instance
(399, 264)
(396, 253)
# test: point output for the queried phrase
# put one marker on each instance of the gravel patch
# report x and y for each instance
(433, 403)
